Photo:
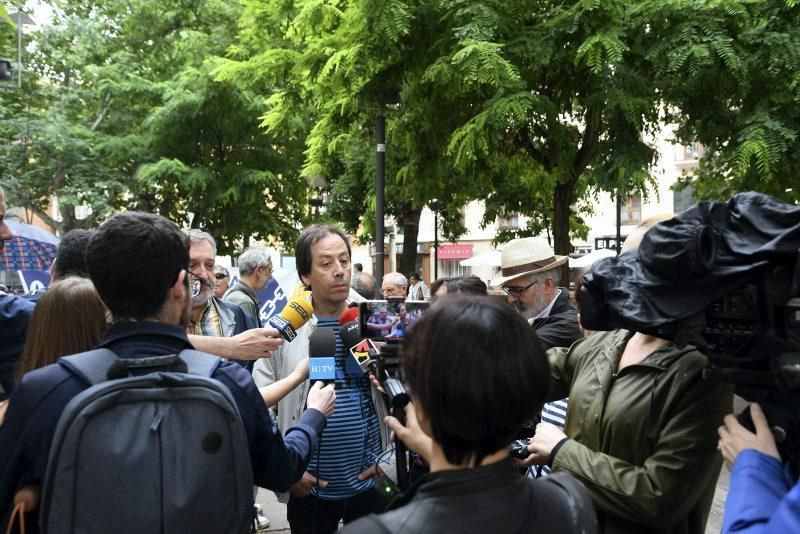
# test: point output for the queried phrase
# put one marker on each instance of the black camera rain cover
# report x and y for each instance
(686, 263)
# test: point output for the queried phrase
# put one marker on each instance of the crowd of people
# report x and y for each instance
(622, 434)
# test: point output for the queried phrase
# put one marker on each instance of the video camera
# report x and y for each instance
(724, 277)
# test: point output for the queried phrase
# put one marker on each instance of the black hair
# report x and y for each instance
(71, 255)
(133, 260)
(479, 372)
(465, 285)
(310, 237)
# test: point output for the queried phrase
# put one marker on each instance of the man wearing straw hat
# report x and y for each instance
(529, 276)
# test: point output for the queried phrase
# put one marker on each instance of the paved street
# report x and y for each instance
(277, 512)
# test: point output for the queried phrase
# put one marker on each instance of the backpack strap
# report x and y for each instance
(99, 365)
(200, 363)
(92, 366)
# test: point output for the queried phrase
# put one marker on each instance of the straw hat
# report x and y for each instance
(522, 257)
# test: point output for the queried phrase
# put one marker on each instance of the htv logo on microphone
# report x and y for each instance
(323, 368)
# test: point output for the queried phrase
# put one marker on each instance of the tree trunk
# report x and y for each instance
(408, 260)
(562, 200)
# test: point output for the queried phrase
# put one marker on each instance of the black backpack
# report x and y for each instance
(161, 452)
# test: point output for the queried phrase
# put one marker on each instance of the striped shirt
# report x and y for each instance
(554, 413)
(351, 442)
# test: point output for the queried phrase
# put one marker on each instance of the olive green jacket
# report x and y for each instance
(644, 441)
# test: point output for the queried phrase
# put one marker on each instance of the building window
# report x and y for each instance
(451, 268)
(693, 151)
(631, 210)
(509, 222)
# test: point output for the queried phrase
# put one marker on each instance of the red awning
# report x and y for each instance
(455, 252)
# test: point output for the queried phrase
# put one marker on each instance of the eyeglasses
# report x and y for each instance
(220, 276)
(516, 290)
(392, 292)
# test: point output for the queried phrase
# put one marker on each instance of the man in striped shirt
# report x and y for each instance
(338, 484)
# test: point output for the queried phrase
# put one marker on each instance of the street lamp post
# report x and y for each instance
(380, 186)
(436, 206)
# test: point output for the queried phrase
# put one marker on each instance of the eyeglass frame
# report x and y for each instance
(221, 276)
(517, 291)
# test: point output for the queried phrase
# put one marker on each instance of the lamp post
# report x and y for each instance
(380, 187)
(436, 206)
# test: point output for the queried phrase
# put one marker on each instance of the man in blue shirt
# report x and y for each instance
(138, 263)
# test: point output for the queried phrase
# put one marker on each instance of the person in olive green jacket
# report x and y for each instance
(640, 435)
(641, 428)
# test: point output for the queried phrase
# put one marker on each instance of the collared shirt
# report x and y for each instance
(545, 312)
(209, 324)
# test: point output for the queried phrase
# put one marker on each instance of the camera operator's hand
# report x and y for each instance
(376, 383)
(322, 398)
(411, 434)
(303, 487)
(543, 442)
(734, 438)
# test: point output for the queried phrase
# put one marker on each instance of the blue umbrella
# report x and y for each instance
(31, 249)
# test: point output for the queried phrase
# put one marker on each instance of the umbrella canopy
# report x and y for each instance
(587, 259)
(31, 249)
(491, 258)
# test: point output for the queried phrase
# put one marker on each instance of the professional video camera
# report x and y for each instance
(724, 277)
(376, 346)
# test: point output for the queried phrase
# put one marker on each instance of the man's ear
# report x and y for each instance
(179, 289)
(422, 419)
(306, 280)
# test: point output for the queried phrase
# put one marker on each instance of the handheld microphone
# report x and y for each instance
(292, 317)
(349, 315)
(362, 350)
(321, 351)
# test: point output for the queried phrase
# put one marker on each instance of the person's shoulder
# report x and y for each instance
(12, 305)
(370, 524)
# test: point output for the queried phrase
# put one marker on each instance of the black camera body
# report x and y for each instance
(724, 277)
(519, 449)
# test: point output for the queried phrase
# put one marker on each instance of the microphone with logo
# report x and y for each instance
(292, 317)
(321, 352)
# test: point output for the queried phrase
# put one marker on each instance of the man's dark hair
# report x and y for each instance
(133, 260)
(310, 237)
(357, 267)
(465, 285)
(71, 255)
(479, 372)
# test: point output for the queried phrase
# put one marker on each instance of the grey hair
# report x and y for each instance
(197, 236)
(397, 279)
(251, 259)
(555, 274)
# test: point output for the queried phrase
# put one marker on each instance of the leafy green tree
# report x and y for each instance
(730, 73)
(122, 112)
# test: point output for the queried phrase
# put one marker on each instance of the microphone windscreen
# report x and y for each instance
(350, 334)
(350, 314)
(297, 312)
(322, 342)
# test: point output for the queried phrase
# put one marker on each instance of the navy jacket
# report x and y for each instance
(14, 315)
(40, 397)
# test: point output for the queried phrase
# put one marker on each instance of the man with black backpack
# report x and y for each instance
(146, 434)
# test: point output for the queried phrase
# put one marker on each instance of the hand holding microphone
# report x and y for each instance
(322, 398)
(292, 317)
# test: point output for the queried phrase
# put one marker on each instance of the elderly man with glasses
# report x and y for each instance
(255, 270)
(394, 285)
(529, 275)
